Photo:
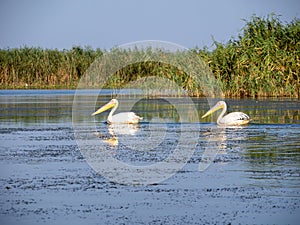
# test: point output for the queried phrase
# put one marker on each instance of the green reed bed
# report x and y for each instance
(262, 61)
(44, 68)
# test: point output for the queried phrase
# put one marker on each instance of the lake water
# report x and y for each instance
(242, 175)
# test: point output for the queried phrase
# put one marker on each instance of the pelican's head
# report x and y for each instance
(219, 105)
(107, 106)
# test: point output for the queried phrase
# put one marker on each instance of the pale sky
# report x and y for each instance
(106, 24)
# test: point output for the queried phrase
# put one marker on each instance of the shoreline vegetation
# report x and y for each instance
(263, 61)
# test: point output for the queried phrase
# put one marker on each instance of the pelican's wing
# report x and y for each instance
(235, 118)
(125, 117)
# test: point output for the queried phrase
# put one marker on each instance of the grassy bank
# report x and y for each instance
(262, 61)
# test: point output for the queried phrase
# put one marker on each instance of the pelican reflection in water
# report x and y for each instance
(116, 132)
(124, 117)
(231, 119)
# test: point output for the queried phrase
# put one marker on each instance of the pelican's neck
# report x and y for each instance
(109, 118)
(224, 106)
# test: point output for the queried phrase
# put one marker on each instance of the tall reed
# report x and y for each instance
(44, 68)
(262, 61)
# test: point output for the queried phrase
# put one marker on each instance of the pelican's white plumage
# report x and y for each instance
(231, 119)
(124, 117)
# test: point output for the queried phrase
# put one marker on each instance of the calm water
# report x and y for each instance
(248, 175)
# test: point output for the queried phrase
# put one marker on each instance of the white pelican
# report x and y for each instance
(124, 117)
(231, 119)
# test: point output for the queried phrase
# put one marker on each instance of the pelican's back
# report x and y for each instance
(125, 117)
(235, 118)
